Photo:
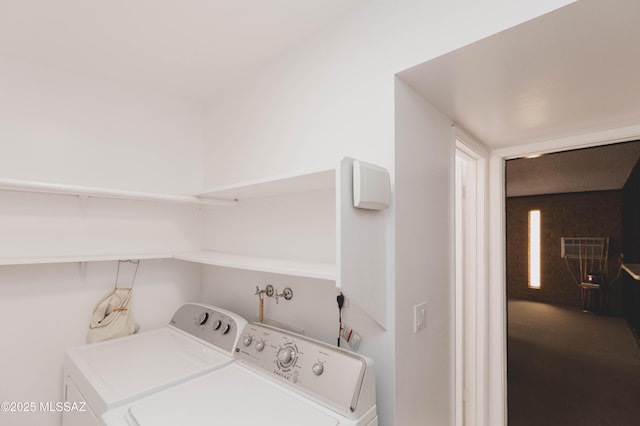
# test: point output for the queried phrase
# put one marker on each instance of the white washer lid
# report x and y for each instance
(122, 369)
(229, 396)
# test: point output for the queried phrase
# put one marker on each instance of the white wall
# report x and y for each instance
(54, 225)
(45, 309)
(297, 226)
(423, 259)
(62, 127)
(312, 310)
(333, 96)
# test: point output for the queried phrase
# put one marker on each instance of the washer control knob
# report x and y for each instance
(217, 324)
(247, 340)
(226, 329)
(286, 356)
(203, 318)
(260, 346)
(318, 368)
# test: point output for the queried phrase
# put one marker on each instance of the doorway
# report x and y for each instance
(539, 93)
(566, 366)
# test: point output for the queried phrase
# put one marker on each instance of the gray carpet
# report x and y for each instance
(566, 367)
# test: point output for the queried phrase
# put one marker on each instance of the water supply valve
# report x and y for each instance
(287, 293)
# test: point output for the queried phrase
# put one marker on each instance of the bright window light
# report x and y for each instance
(534, 249)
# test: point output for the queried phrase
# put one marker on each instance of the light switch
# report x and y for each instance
(420, 317)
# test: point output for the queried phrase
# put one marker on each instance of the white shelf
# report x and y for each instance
(7, 261)
(318, 270)
(633, 269)
(20, 185)
(326, 271)
(274, 186)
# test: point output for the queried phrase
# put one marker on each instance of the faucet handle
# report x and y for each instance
(287, 293)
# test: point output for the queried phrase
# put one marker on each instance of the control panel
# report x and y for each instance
(341, 380)
(215, 326)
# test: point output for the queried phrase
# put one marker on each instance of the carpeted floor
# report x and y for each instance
(566, 367)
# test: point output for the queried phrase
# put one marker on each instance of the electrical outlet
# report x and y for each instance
(346, 300)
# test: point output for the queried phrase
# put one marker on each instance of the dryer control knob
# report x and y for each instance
(226, 329)
(202, 319)
(260, 346)
(247, 340)
(317, 368)
(217, 324)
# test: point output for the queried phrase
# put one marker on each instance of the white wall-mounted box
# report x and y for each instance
(371, 186)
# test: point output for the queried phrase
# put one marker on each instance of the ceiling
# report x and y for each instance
(592, 169)
(187, 49)
(572, 71)
(574, 68)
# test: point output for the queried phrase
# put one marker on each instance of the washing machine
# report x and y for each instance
(101, 376)
(279, 379)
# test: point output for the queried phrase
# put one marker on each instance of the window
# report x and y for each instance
(534, 249)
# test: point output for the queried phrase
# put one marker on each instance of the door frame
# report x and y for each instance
(471, 277)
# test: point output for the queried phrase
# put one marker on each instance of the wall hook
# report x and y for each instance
(135, 272)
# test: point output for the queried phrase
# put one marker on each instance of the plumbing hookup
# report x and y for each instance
(270, 291)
